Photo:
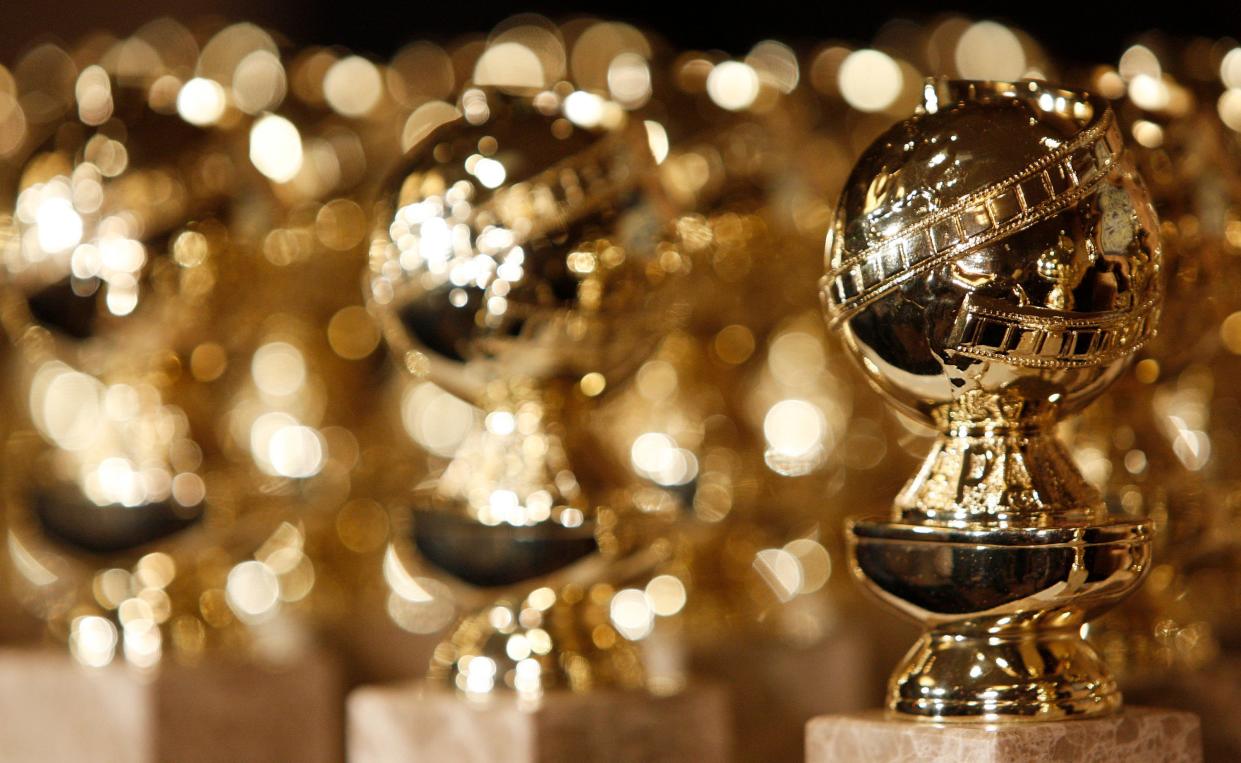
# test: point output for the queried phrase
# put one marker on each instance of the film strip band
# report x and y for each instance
(565, 192)
(1045, 188)
(989, 329)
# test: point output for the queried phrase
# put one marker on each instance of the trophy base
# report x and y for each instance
(1138, 733)
(56, 709)
(1005, 608)
(421, 722)
(1026, 675)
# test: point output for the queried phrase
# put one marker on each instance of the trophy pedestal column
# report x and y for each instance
(52, 708)
(415, 722)
(1137, 733)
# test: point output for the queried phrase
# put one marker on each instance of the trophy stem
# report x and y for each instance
(508, 514)
(551, 639)
(514, 468)
(992, 473)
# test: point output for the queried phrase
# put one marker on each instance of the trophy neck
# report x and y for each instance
(1008, 475)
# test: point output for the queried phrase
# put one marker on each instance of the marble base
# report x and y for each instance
(413, 722)
(53, 709)
(1137, 734)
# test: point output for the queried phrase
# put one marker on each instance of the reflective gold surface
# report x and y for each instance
(172, 416)
(116, 243)
(586, 396)
(993, 265)
(1164, 444)
(515, 265)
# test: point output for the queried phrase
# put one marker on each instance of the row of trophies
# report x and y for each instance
(520, 341)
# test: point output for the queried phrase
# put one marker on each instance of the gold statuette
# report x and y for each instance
(993, 265)
(513, 265)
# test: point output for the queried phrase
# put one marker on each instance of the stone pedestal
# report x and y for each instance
(413, 722)
(53, 709)
(1137, 734)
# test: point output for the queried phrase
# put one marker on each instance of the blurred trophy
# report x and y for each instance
(155, 470)
(106, 277)
(1165, 444)
(1140, 445)
(690, 427)
(993, 265)
(513, 266)
(741, 415)
(341, 112)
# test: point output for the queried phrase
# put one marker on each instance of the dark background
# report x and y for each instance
(1083, 31)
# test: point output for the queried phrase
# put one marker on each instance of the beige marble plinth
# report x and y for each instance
(1137, 735)
(413, 722)
(53, 709)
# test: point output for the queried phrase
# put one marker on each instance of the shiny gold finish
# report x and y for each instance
(514, 264)
(1164, 443)
(118, 238)
(173, 424)
(201, 433)
(993, 265)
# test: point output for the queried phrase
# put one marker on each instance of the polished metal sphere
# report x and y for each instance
(996, 250)
(518, 242)
(89, 230)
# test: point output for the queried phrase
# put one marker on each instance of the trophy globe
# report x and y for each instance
(993, 266)
(514, 265)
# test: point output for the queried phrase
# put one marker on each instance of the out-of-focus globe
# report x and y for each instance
(998, 241)
(518, 242)
(88, 236)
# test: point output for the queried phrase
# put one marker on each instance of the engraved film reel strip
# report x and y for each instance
(1043, 189)
(989, 329)
(567, 191)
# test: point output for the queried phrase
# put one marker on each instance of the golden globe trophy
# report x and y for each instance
(993, 264)
(515, 265)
